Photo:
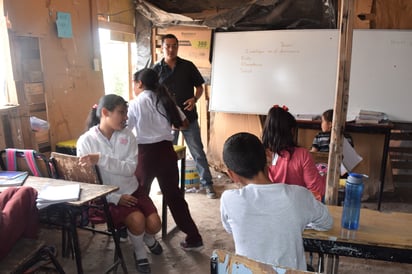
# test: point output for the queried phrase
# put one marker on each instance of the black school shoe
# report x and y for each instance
(142, 265)
(156, 248)
(123, 235)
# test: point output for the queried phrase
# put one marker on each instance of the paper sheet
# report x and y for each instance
(57, 194)
(350, 157)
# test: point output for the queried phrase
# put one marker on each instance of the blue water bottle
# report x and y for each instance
(352, 202)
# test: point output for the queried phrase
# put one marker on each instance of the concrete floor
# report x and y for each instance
(97, 250)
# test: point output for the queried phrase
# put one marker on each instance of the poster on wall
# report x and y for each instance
(64, 25)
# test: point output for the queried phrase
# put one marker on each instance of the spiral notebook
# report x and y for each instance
(13, 178)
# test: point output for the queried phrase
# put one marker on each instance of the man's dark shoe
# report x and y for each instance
(191, 246)
(210, 192)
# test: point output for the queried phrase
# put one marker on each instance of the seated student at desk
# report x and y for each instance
(322, 139)
(266, 219)
(287, 162)
(18, 217)
(113, 148)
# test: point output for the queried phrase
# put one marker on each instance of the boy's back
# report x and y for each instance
(267, 221)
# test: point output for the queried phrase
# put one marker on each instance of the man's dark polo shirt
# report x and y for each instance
(181, 82)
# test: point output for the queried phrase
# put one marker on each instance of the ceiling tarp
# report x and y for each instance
(229, 15)
(240, 15)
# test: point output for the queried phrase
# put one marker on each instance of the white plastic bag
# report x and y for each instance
(38, 124)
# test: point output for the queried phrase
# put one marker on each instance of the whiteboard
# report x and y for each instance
(381, 73)
(253, 70)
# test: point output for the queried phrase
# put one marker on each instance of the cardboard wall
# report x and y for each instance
(71, 84)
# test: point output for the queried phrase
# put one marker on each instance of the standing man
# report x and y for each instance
(181, 77)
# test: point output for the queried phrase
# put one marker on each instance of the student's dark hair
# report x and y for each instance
(328, 115)
(279, 131)
(109, 102)
(244, 154)
(150, 81)
(169, 36)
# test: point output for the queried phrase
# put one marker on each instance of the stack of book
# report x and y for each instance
(54, 194)
(307, 117)
(371, 117)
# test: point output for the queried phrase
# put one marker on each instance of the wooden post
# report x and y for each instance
(339, 117)
(341, 100)
(94, 29)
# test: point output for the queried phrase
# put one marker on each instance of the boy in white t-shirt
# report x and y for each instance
(266, 219)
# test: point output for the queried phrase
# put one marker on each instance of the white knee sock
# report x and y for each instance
(137, 242)
(149, 239)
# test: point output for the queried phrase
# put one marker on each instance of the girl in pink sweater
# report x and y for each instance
(288, 163)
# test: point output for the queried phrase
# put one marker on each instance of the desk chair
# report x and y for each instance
(223, 262)
(181, 156)
(69, 147)
(29, 160)
(24, 256)
(320, 157)
(321, 160)
(67, 168)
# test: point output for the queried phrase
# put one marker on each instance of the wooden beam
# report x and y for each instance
(117, 27)
(341, 100)
(96, 62)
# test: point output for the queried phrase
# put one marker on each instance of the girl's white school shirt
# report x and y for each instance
(118, 159)
(148, 120)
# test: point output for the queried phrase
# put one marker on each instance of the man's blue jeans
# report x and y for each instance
(194, 143)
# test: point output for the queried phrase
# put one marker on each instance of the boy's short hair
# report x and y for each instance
(328, 115)
(244, 154)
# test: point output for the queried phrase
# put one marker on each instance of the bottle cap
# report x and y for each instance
(355, 178)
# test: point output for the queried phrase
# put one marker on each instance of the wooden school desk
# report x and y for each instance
(88, 192)
(381, 236)
(352, 127)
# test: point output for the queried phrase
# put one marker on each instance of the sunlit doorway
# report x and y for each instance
(118, 63)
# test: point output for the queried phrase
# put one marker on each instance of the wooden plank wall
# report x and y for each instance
(71, 84)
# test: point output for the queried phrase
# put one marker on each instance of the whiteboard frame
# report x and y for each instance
(381, 73)
(253, 70)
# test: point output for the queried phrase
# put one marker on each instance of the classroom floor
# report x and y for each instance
(97, 250)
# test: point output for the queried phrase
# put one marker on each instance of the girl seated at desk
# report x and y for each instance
(287, 162)
(113, 148)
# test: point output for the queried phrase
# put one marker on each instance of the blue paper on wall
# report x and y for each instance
(64, 25)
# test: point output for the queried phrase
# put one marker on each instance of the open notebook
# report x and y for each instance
(52, 194)
(13, 178)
